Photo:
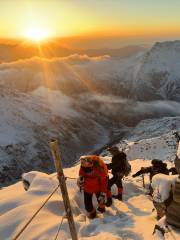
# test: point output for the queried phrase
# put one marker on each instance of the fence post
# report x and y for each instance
(61, 178)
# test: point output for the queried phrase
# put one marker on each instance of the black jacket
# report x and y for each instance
(153, 170)
(118, 164)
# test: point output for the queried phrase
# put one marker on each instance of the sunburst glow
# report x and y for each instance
(36, 34)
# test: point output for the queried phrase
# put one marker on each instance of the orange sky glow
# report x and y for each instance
(43, 19)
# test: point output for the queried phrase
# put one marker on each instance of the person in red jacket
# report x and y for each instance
(92, 179)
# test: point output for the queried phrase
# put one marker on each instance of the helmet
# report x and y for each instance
(157, 162)
(86, 161)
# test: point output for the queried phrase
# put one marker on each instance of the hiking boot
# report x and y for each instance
(101, 210)
(92, 215)
(109, 202)
(119, 197)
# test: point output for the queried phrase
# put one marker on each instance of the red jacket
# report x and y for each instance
(96, 180)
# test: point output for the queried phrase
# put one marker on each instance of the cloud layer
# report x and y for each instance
(66, 73)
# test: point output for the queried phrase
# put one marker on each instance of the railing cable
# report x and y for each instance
(34, 215)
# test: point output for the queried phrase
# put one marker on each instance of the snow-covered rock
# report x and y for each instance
(162, 185)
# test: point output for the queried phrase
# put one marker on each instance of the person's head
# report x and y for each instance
(86, 163)
(114, 150)
(158, 163)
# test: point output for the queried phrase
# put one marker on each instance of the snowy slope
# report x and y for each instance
(124, 220)
(29, 120)
(152, 139)
(131, 219)
(82, 124)
(163, 147)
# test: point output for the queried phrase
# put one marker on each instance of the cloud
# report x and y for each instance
(79, 74)
(65, 73)
(129, 112)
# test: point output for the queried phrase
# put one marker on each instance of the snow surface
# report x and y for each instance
(131, 219)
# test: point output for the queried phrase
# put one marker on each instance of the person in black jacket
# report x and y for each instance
(118, 167)
(157, 167)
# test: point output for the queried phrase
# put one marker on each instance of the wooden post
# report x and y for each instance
(61, 178)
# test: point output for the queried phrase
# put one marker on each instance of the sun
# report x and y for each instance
(36, 34)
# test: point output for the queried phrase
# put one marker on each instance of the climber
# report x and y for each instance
(119, 167)
(157, 167)
(92, 179)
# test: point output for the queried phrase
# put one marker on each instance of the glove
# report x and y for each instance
(101, 198)
(80, 182)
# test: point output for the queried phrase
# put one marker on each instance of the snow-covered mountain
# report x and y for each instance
(85, 102)
(29, 120)
(82, 124)
(145, 75)
(158, 76)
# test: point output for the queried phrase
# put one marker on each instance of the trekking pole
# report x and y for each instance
(62, 183)
(143, 180)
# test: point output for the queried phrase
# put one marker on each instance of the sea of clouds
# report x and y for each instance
(102, 84)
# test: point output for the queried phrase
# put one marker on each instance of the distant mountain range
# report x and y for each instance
(22, 50)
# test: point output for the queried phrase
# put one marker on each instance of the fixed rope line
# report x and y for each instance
(34, 215)
(70, 178)
(59, 228)
(66, 177)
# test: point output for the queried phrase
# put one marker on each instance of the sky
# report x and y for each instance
(128, 19)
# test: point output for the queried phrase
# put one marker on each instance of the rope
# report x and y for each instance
(59, 228)
(70, 178)
(66, 177)
(34, 215)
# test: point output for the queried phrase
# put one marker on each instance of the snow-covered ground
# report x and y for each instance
(131, 219)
